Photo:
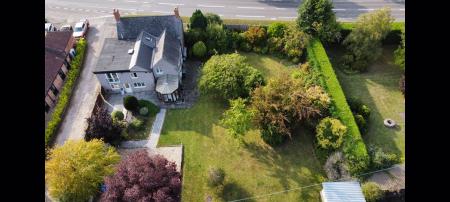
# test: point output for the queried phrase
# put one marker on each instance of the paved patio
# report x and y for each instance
(392, 180)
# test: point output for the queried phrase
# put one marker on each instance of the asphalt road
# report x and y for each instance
(346, 10)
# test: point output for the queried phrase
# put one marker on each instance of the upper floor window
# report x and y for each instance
(134, 75)
(112, 77)
(158, 70)
(139, 85)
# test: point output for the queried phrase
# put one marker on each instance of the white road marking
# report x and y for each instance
(366, 9)
(280, 8)
(339, 9)
(171, 4)
(103, 11)
(401, 9)
(210, 6)
(288, 17)
(251, 16)
(80, 9)
(260, 8)
(105, 16)
(65, 8)
(145, 2)
(165, 12)
(87, 10)
(95, 10)
(57, 7)
(273, 18)
(131, 1)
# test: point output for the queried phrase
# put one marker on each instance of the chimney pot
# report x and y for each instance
(116, 14)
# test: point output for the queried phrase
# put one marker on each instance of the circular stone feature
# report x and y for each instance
(389, 123)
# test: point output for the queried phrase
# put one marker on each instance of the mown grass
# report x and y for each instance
(252, 168)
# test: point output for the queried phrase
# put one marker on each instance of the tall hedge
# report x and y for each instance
(353, 147)
(394, 36)
(66, 92)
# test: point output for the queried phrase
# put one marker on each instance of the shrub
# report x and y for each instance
(130, 103)
(245, 46)
(234, 39)
(354, 148)
(140, 177)
(216, 177)
(276, 29)
(255, 35)
(306, 74)
(336, 167)
(392, 38)
(217, 38)
(228, 76)
(317, 18)
(193, 36)
(275, 44)
(117, 115)
(402, 85)
(330, 133)
(237, 119)
(319, 97)
(371, 191)
(399, 54)
(362, 124)
(102, 126)
(380, 159)
(270, 135)
(152, 108)
(137, 125)
(198, 20)
(66, 92)
(76, 169)
(358, 107)
(213, 18)
(264, 50)
(295, 42)
(364, 110)
(199, 49)
(143, 111)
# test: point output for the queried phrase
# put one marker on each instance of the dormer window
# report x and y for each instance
(134, 75)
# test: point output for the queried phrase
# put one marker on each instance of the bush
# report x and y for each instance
(245, 46)
(217, 38)
(66, 92)
(330, 133)
(117, 115)
(152, 108)
(264, 50)
(336, 167)
(193, 36)
(276, 29)
(354, 148)
(130, 103)
(371, 191)
(198, 20)
(255, 35)
(402, 85)
(137, 125)
(271, 136)
(213, 18)
(380, 159)
(358, 107)
(102, 126)
(392, 38)
(143, 111)
(319, 98)
(199, 49)
(295, 41)
(275, 44)
(237, 119)
(362, 124)
(216, 177)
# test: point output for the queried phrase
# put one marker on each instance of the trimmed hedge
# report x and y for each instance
(394, 36)
(66, 92)
(354, 148)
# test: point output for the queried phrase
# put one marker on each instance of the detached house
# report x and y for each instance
(147, 55)
(58, 54)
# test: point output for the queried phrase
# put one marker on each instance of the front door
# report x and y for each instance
(127, 88)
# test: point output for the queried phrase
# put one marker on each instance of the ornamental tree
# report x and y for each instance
(198, 20)
(102, 126)
(140, 177)
(255, 35)
(237, 119)
(330, 133)
(295, 42)
(76, 169)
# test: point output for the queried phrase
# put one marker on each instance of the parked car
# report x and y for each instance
(49, 27)
(81, 28)
(66, 28)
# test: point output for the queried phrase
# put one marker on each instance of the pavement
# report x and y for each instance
(391, 180)
(346, 10)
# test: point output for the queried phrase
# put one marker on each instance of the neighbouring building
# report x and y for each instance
(146, 56)
(58, 54)
(342, 191)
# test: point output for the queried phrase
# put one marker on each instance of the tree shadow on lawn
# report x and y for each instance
(375, 88)
(294, 161)
(233, 191)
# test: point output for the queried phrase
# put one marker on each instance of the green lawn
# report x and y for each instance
(252, 168)
(379, 89)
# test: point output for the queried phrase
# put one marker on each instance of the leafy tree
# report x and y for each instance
(216, 38)
(364, 42)
(199, 49)
(276, 45)
(276, 29)
(213, 18)
(371, 191)
(102, 126)
(140, 177)
(198, 20)
(193, 36)
(131, 103)
(256, 35)
(316, 17)
(295, 42)
(330, 133)
(237, 119)
(280, 106)
(228, 76)
(399, 54)
(76, 169)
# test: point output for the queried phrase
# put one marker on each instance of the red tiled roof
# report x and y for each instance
(55, 45)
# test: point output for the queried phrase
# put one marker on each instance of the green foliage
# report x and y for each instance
(276, 29)
(255, 35)
(136, 125)
(143, 111)
(66, 92)
(234, 39)
(199, 49)
(364, 42)
(330, 133)
(380, 159)
(192, 36)
(131, 103)
(271, 135)
(216, 38)
(308, 76)
(213, 18)
(353, 147)
(393, 37)
(152, 108)
(245, 46)
(275, 44)
(361, 122)
(237, 119)
(317, 18)
(371, 191)
(295, 41)
(318, 97)
(76, 169)
(358, 107)
(198, 20)
(228, 76)
(399, 54)
(117, 115)
(402, 85)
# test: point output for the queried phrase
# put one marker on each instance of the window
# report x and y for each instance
(134, 75)
(112, 77)
(54, 90)
(139, 85)
(115, 86)
(61, 74)
(158, 70)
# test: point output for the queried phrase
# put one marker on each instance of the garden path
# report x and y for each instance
(392, 180)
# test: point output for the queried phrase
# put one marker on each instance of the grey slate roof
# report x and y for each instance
(131, 27)
(114, 55)
(143, 51)
(168, 51)
(342, 191)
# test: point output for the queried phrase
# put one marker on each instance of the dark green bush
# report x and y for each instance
(245, 46)
(213, 18)
(380, 159)
(199, 49)
(270, 136)
(192, 36)
(152, 108)
(137, 125)
(358, 107)
(131, 103)
(198, 20)
(117, 115)
(361, 122)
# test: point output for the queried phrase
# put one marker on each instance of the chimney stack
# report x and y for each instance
(177, 14)
(116, 14)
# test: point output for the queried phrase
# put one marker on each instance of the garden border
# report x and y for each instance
(354, 147)
(66, 93)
